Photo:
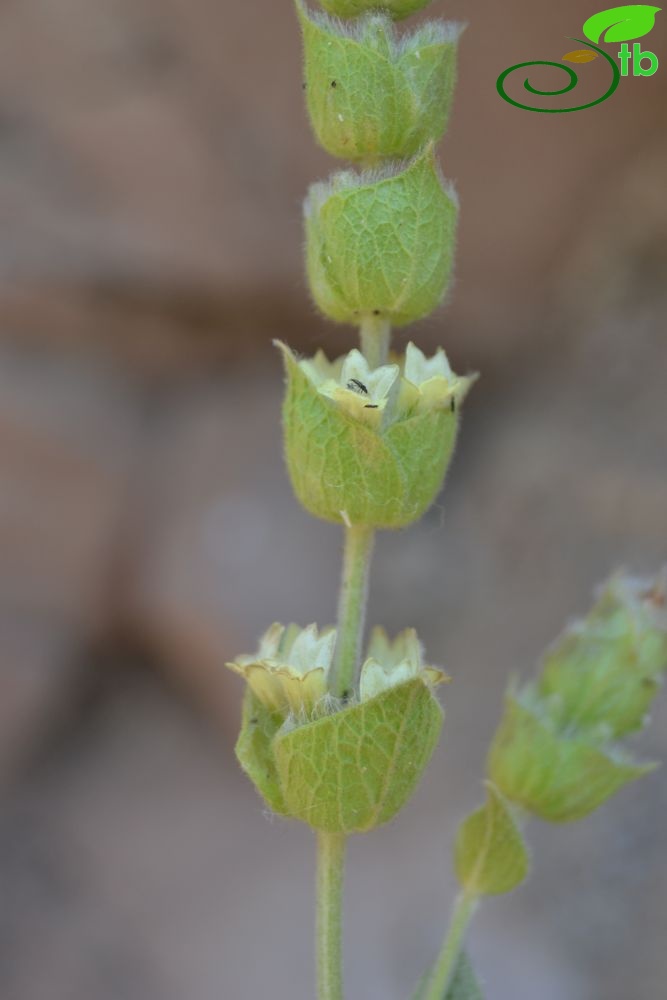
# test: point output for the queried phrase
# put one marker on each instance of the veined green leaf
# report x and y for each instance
(353, 770)
(490, 854)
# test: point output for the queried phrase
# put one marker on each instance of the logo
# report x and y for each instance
(619, 24)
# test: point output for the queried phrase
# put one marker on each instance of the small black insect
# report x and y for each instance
(334, 84)
(376, 312)
(355, 384)
(371, 406)
(452, 405)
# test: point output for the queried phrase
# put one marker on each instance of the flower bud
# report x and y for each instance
(603, 673)
(397, 9)
(381, 244)
(370, 447)
(555, 775)
(372, 96)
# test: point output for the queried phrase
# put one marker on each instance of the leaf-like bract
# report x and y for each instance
(381, 245)
(337, 463)
(370, 98)
(254, 753)
(464, 984)
(353, 770)
(557, 777)
(490, 855)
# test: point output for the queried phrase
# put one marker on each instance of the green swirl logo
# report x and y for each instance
(619, 24)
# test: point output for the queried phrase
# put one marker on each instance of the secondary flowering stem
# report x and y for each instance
(330, 869)
(375, 334)
(443, 970)
(352, 607)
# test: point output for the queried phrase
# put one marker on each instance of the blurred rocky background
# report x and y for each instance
(153, 155)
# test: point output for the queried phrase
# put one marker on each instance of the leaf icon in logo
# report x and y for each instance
(580, 56)
(621, 24)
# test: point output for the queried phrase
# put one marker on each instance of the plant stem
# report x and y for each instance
(375, 334)
(330, 869)
(352, 607)
(443, 970)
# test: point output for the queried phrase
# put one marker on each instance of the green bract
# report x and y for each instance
(490, 855)
(554, 751)
(604, 672)
(370, 447)
(254, 749)
(381, 243)
(353, 8)
(371, 96)
(339, 767)
(464, 984)
(353, 770)
(557, 776)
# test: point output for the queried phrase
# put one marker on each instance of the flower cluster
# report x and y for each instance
(289, 673)
(370, 446)
(324, 760)
(556, 752)
(388, 663)
(290, 670)
(408, 385)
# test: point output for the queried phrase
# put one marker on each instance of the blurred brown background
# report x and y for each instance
(153, 155)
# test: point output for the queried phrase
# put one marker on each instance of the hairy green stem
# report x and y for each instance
(443, 970)
(352, 607)
(375, 335)
(330, 869)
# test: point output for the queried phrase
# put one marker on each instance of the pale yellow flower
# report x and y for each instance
(289, 671)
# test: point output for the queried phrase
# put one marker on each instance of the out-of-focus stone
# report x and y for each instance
(220, 535)
(36, 679)
(65, 453)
